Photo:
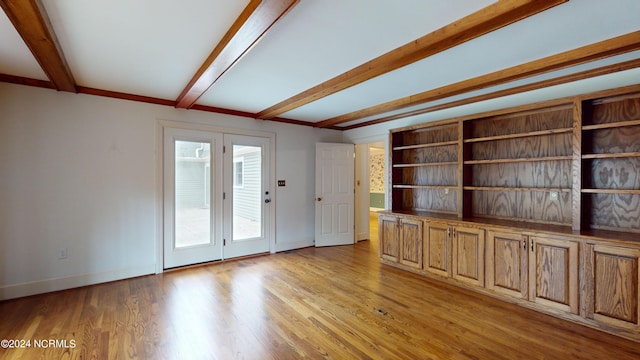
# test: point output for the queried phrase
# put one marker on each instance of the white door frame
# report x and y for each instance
(361, 208)
(361, 213)
(160, 126)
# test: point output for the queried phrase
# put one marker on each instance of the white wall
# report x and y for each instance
(362, 192)
(79, 172)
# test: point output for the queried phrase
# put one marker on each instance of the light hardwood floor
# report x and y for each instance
(308, 303)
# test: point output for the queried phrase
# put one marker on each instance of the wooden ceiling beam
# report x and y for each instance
(32, 23)
(600, 50)
(490, 18)
(252, 24)
(604, 70)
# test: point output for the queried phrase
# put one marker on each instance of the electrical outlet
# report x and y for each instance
(553, 195)
(446, 191)
(62, 253)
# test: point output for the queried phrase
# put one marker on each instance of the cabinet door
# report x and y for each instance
(437, 245)
(388, 237)
(553, 273)
(613, 285)
(468, 255)
(507, 263)
(411, 243)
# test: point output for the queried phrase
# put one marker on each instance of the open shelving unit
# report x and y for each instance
(519, 164)
(516, 166)
(611, 163)
(425, 169)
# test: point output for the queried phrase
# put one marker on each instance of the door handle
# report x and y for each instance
(266, 201)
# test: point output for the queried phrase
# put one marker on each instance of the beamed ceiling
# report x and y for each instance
(339, 64)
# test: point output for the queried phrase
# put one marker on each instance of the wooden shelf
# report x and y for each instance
(523, 223)
(520, 135)
(421, 146)
(612, 191)
(611, 125)
(506, 188)
(436, 211)
(611, 155)
(430, 127)
(529, 153)
(447, 163)
(499, 161)
(402, 186)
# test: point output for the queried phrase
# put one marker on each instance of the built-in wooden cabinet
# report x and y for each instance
(388, 237)
(411, 242)
(553, 273)
(437, 248)
(537, 268)
(401, 240)
(454, 251)
(508, 263)
(468, 255)
(612, 280)
(554, 187)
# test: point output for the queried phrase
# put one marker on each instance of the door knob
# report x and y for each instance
(266, 201)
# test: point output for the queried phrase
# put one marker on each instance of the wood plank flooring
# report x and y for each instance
(336, 302)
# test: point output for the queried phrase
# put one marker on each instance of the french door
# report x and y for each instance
(247, 193)
(192, 197)
(216, 196)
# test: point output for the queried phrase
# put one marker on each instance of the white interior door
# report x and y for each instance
(247, 195)
(192, 186)
(334, 194)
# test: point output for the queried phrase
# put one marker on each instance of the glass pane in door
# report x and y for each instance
(192, 193)
(247, 192)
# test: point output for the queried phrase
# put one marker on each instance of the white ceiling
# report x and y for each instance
(318, 40)
(153, 48)
(132, 47)
(15, 58)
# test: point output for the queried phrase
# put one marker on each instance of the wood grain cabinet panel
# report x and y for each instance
(388, 237)
(437, 249)
(553, 273)
(507, 263)
(400, 240)
(411, 243)
(614, 286)
(468, 255)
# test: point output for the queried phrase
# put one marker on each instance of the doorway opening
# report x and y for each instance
(377, 186)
